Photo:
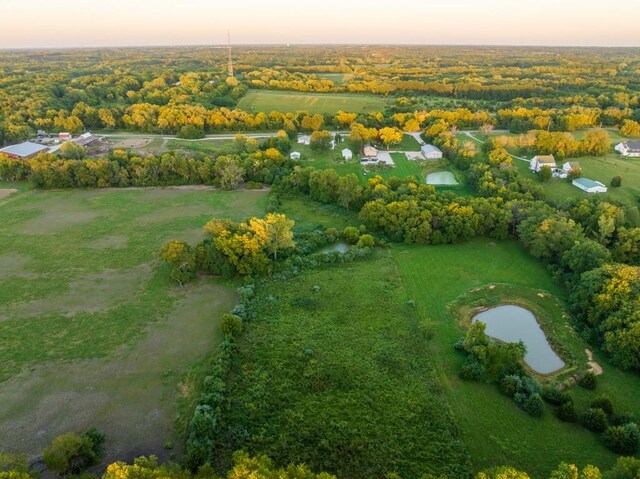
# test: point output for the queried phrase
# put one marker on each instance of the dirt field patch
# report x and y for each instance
(133, 143)
(109, 242)
(58, 215)
(138, 386)
(13, 264)
(7, 192)
(90, 293)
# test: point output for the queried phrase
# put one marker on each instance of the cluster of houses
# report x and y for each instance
(585, 184)
(629, 148)
(45, 144)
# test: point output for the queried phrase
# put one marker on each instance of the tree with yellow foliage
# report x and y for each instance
(390, 136)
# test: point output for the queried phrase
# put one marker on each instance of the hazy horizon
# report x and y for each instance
(146, 23)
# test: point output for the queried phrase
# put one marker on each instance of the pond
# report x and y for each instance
(510, 323)
(441, 178)
(339, 247)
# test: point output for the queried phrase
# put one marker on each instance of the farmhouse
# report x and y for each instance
(347, 154)
(570, 165)
(589, 186)
(538, 161)
(629, 148)
(369, 153)
(295, 155)
(24, 150)
(431, 152)
(64, 136)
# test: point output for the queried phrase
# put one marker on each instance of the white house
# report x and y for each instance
(589, 186)
(570, 165)
(538, 161)
(347, 154)
(294, 155)
(304, 140)
(431, 152)
(629, 148)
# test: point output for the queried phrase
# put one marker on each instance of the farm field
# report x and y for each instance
(266, 101)
(93, 333)
(495, 431)
(337, 373)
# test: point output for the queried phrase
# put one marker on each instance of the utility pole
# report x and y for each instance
(229, 50)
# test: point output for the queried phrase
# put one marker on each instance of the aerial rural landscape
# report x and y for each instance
(296, 257)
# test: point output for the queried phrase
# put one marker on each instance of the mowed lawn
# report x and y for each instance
(495, 431)
(266, 101)
(336, 373)
(93, 332)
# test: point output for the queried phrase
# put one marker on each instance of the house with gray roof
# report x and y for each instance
(24, 150)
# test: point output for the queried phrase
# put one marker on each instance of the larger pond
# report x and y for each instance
(510, 323)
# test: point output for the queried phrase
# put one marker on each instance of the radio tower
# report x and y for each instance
(229, 50)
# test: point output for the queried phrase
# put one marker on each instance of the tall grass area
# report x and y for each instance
(494, 430)
(336, 373)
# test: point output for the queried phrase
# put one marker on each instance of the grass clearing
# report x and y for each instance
(341, 379)
(92, 331)
(494, 430)
(207, 147)
(266, 101)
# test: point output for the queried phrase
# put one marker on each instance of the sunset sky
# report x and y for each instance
(85, 23)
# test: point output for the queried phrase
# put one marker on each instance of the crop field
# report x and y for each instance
(266, 101)
(93, 333)
(495, 431)
(337, 373)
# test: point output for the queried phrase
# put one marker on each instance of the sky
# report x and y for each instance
(90, 23)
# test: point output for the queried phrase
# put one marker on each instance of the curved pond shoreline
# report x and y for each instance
(512, 323)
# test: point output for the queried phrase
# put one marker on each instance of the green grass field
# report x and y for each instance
(266, 101)
(210, 147)
(494, 430)
(93, 333)
(341, 379)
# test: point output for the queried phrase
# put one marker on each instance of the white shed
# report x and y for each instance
(347, 154)
(295, 155)
(431, 152)
(589, 186)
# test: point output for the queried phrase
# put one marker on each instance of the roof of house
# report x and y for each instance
(370, 151)
(587, 183)
(573, 164)
(633, 145)
(25, 149)
(431, 149)
(85, 139)
(545, 158)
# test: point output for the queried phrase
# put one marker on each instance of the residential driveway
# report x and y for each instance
(385, 157)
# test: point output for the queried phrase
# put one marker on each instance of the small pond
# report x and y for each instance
(441, 178)
(339, 247)
(510, 323)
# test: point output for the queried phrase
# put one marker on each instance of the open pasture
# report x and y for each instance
(266, 101)
(93, 333)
